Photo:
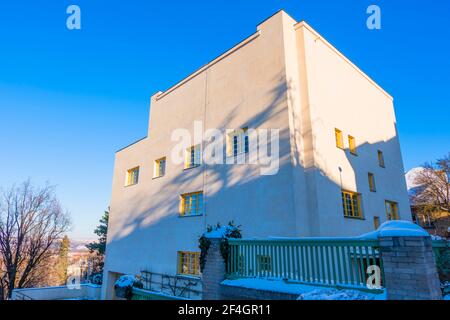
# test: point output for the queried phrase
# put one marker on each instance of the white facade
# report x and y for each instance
(285, 76)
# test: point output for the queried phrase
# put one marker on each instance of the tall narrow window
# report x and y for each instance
(376, 222)
(380, 158)
(237, 142)
(191, 204)
(132, 176)
(189, 263)
(391, 210)
(351, 203)
(339, 138)
(352, 145)
(193, 156)
(372, 182)
(159, 168)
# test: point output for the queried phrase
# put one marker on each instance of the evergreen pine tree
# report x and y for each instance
(63, 260)
(99, 246)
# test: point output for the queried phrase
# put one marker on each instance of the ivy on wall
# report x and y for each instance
(219, 232)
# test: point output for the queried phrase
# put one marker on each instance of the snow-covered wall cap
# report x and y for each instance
(125, 281)
(219, 232)
(396, 228)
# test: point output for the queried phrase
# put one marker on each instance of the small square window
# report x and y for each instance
(391, 210)
(191, 204)
(351, 204)
(189, 263)
(132, 176)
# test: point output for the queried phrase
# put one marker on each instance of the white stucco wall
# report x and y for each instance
(341, 96)
(83, 292)
(281, 77)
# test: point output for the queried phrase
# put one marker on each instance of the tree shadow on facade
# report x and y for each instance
(297, 201)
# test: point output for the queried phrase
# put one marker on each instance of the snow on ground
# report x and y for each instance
(305, 292)
(344, 294)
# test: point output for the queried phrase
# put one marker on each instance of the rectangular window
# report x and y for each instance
(237, 142)
(132, 176)
(339, 138)
(189, 263)
(264, 263)
(191, 204)
(351, 203)
(192, 157)
(376, 222)
(372, 182)
(159, 168)
(380, 158)
(352, 145)
(391, 210)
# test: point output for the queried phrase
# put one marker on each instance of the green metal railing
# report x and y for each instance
(441, 249)
(330, 262)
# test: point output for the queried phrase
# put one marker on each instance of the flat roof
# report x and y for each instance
(131, 144)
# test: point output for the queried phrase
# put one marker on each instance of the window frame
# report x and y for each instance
(199, 208)
(157, 168)
(193, 154)
(380, 156)
(372, 184)
(130, 173)
(238, 142)
(352, 145)
(339, 139)
(359, 204)
(196, 263)
(376, 222)
(392, 204)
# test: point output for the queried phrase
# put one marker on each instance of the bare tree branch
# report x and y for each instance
(31, 222)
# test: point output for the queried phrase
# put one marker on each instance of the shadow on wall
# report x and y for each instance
(241, 194)
(223, 177)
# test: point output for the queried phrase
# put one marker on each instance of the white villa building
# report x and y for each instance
(340, 170)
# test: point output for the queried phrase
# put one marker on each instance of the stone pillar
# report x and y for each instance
(409, 268)
(214, 272)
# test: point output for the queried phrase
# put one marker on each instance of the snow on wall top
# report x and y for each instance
(396, 228)
(125, 281)
(219, 232)
(305, 291)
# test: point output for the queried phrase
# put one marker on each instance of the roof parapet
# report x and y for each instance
(208, 65)
(303, 24)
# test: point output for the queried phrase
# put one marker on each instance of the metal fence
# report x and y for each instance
(332, 262)
(441, 249)
(139, 294)
(172, 285)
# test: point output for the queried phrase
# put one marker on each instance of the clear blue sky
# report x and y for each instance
(70, 99)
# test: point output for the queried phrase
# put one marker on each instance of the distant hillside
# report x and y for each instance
(79, 245)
